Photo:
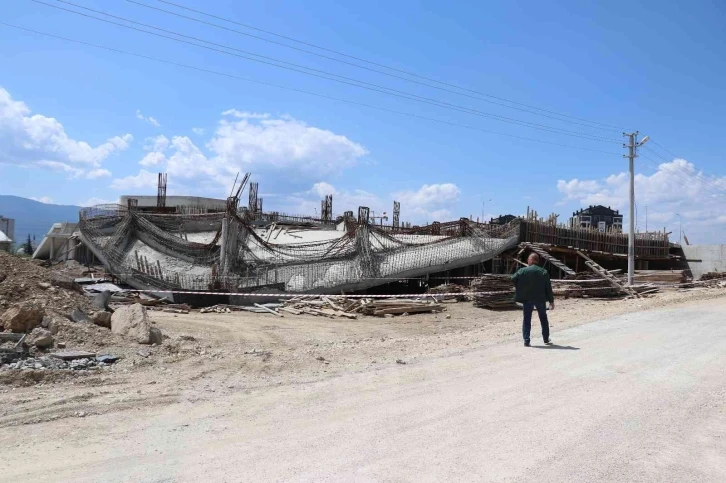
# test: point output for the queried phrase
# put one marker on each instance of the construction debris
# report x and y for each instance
(343, 307)
(133, 321)
(713, 276)
(448, 288)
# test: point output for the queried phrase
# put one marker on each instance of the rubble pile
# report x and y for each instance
(24, 282)
(42, 313)
(707, 280)
(44, 363)
(714, 276)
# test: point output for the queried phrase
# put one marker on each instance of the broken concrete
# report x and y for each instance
(102, 319)
(133, 321)
(40, 338)
(79, 316)
(21, 318)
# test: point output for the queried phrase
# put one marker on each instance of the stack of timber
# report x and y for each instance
(660, 276)
(383, 307)
(585, 285)
(592, 285)
(502, 284)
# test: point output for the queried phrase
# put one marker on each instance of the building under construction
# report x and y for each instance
(199, 244)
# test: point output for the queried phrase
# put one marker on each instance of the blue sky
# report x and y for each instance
(655, 66)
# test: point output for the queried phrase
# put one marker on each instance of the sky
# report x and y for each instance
(511, 105)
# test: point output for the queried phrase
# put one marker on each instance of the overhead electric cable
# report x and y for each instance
(530, 109)
(293, 89)
(320, 73)
(412, 74)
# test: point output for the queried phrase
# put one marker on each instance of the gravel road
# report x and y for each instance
(637, 397)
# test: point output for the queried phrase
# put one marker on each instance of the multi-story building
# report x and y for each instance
(599, 217)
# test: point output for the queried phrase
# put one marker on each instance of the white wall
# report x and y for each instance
(705, 258)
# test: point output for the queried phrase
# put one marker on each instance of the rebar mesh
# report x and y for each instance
(154, 250)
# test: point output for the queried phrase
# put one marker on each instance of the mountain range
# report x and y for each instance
(33, 217)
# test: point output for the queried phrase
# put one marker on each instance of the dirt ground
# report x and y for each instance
(209, 355)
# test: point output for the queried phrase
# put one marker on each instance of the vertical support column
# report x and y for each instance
(223, 245)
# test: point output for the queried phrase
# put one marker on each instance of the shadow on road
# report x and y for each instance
(556, 347)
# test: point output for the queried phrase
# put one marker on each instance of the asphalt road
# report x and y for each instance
(636, 398)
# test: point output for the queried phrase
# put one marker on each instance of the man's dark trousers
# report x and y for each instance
(527, 324)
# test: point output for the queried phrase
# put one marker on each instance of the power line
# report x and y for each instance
(531, 110)
(703, 184)
(664, 149)
(322, 74)
(292, 89)
(379, 64)
(706, 182)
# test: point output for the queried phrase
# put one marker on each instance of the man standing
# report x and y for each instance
(533, 289)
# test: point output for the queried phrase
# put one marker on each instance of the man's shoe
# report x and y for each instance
(549, 342)
(526, 343)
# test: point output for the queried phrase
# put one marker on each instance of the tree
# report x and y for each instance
(28, 246)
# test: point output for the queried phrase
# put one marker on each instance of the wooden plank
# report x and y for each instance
(269, 310)
(290, 310)
(333, 304)
(411, 310)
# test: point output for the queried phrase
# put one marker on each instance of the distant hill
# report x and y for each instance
(33, 217)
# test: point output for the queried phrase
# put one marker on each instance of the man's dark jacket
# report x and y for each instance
(533, 285)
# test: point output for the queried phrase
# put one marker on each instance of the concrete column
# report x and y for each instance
(52, 247)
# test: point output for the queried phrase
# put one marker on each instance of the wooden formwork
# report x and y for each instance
(647, 245)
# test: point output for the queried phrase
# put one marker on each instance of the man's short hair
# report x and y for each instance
(534, 257)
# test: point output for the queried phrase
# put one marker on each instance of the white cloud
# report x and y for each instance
(98, 173)
(284, 143)
(252, 141)
(64, 167)
(36, 140)
(674, 188)
(97, 201)
(431, 202)
(43, 199)
(151, 120)
(323, 189)
(428, 203)
(198, 131)
(430, 194)
(144, 179)
(152, 159)
(157, 143)
(245, 114)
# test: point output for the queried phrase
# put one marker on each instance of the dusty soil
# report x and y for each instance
(205, 356)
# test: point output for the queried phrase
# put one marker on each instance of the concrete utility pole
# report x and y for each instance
(632, 146)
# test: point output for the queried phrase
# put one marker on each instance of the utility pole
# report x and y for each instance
(483, 204)
(632, 146)
(646, 218)
(680, 229)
